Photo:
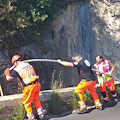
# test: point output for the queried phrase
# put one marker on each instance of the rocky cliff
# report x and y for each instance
(106, 25)
(89, 27)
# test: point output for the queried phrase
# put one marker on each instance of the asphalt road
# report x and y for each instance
(111, 111)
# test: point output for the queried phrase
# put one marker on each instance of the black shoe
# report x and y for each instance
(82, 111)
(116, 99)
(105, 101)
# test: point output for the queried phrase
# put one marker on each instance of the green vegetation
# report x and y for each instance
(23, 21)
(18, 113)
(3, 106)
(118, 90)
(56, 84)
(54, 105)
(88, 98)
(72, 103)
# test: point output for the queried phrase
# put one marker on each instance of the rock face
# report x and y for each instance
(106, 25)
(86, 27)
(90, 28)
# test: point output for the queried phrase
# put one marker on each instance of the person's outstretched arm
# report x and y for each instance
(68, 64)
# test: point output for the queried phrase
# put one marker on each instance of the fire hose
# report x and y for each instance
(33, 60)
(41, 60)
(105, 74)
(11, 68)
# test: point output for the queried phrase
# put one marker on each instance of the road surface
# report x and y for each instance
(111, 111)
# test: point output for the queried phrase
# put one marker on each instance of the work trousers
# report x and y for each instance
(82, 86)
(31, 94)
(111, 87)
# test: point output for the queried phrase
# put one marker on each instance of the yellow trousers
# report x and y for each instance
(82, 86)
(31, 94)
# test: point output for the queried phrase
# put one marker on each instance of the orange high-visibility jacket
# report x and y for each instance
(26, 72)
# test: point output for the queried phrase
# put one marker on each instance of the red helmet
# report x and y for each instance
(15, 58)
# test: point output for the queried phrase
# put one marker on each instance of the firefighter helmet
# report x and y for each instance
(15, 58)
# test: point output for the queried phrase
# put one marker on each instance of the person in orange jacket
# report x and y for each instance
(30, 81)
(105, 66)
(88, 81)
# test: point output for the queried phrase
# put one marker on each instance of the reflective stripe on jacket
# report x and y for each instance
(103, 66)
(26, 72)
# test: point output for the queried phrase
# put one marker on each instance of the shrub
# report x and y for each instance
(88, 98)
(73, 102)
(18, 113)
(54, 105)
(56, 84)
(118, 90)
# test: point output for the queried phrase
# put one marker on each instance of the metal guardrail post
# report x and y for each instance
(1, 91)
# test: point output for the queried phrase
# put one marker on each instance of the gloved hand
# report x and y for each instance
(7, 71)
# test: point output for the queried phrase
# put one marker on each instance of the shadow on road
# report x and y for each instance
(56, 116)
(90, 110)
(109, 104)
